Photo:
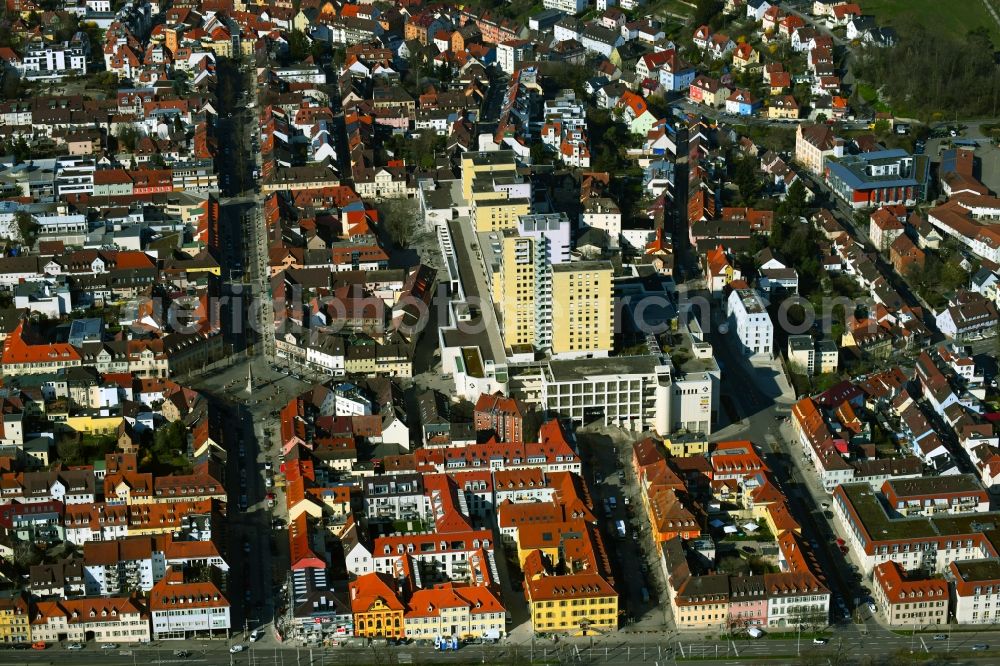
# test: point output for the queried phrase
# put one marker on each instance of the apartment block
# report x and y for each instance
(454, 610)
(812, 357)
(752, 324)
(910, 599)
(46, 60)
(503, 417)
(515, 289)
(574, 603)
(104, 620)
(814, 144)
(643, 392)
(975, 591)
(500, 163)
(583, 303)
(915, 543)
(181, 609)
(931, 495)
(15, 619)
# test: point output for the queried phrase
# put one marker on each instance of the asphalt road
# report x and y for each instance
(843, 647)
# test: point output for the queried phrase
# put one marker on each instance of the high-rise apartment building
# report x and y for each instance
(522, 287)
(583, 308)
(514, 289)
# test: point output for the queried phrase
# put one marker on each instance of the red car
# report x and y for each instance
(840, 542)
(38, 645)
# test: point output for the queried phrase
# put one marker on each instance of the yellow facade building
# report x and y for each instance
(582, 308)
(514, 288)
(375, 607)
(497, 211)
(577, 604)
(689, 444)
(496, 194)
(15, 620)
(499, 163)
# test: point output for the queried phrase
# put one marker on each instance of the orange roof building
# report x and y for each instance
(178, 608)
(22, 355)
(376, 607)
(465, 612)
(104, 619)
(906, 599)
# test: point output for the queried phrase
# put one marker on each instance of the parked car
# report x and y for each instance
(872, 607)
(38, 645)
(110, 646)
(256, 635)
(74, 646)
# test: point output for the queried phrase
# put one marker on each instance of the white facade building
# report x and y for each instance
(179, 609)
(635, 392)
(568, 6)
(603, 213)
(44, 60)
(748, 315)
(512, 52)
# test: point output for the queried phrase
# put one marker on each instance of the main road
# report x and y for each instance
(843, 647)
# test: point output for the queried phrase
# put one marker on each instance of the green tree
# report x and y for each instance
(26, 555)
(168, 451)
(746, 179)
(928, 71)
(794, 205)
(398, 219)
(27, 227)
(127, 137)
(298, 46)
(706, 10)
(319, 50)
(337, 58)
(11, 86)
(539, 153)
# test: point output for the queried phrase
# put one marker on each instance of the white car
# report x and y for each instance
(256, 635)
(237, 648)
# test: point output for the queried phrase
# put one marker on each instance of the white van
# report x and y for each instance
(755, 632)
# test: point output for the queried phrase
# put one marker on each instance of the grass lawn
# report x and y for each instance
(671, 8)
(956, 18)
(870, 95)
(867, 92)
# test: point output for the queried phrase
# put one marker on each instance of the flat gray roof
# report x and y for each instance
(470, 275)
(577, 266)
(568, 370)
